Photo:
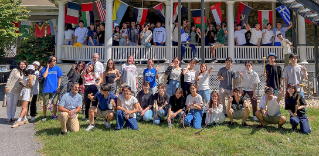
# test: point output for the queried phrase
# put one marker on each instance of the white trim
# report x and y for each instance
(44, 13)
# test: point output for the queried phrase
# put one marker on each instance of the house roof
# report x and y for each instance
(36, 3)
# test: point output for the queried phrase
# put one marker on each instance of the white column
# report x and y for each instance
(274, 11)
(230, 26)
(207, 10)
(168, 28)
(189, 14)
(302, 39)
(60, 37)
(108, 30)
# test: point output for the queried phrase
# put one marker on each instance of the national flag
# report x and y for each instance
(197, 18)
(217, 12)
(101, 6)
(265, 17)
(87, 13)
(139, 15)
(175, 11)
(119, 10)
(25, 28)
(243, 13)
(53, 26)
(16, 24)
(72, 15)
(160, 10)
(285, 13)
(48, 30)
(39, 29)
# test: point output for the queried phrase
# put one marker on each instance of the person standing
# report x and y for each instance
(146, 35)
(133, 35)
(111, 75)
(92, 34)
(202, 82)
(240, 39)
(150, 74)
(287, 45)
(268, 35)
(116, 36)
(189, 77)
(129, 74)
(175, 34)
(98, 66)
(80, 34)
(68, 35)
(159, 35)
(101, 35)
(124, 36)
(33, 103)
(280, 30)
(74, 74)
(174, 73)
(273, 74)
(52, 82)
(256, 35)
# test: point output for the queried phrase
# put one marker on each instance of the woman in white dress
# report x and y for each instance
(214, 112)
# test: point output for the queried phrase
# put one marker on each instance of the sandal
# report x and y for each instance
(9, 121)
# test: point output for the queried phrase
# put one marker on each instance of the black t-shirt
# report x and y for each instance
(210, 36)
(274, 73)
(101, 36)
(176, 104)
(290, 104)
(247, 36)
(238, 105)
(161, 99)
(145, 99)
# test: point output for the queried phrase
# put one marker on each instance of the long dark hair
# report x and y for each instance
(115, 29)
(107, 66)
(211, 100)
(92, 72)
(83, 66)
(290, 85)
(22, 70)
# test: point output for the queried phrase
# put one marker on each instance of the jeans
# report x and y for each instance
(178, 116)
(174, 43)
(277, 44)
(302, 94)
(269, 44)
(159, 44)
(186, 88)
(194, 117)
(252, 100)
(147, 116)
(303, 121)
(153, 90)
(161, 115)
(205, 95)
(132, 43)
(116, 43)
(120, 118)
(194, 50)
(123, 42)
(222, 95)
(183, 50)
(88, 90)
(33, 106)
(12, 100)
(94, 42)
(172, 86)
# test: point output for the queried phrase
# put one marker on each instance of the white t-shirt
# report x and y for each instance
(267, 37)
(248, 81)
(240, 36)
(273, 107)
(190, 76)
(98, 68)
(124, 34)
(81, 33)
(197, 99)
(287, 48)
(68, 34)
(175, 34)
(36, 84)
(255, 35)
(128, 104)
(295, 75)
(203, 81)
(276, 38)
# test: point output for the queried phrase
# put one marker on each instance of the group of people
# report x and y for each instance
(186, 96)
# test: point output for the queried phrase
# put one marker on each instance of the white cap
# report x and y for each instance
(36, 62)
(30, 67)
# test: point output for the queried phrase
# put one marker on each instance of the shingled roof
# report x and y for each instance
(36, 3)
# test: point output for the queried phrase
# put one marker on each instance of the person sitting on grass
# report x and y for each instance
(127, 107)
(69, 105)
(214, 112)
(270, 109)
(145, 98)
(194, 102)
(176, 106)
(160, 101)
(299, 116)
(237, 107)
(107, 101)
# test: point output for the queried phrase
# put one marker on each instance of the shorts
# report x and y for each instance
(48, 96)
(272, 119)
(218, 45)
(26, 94)
(238, 114)
(102, 114)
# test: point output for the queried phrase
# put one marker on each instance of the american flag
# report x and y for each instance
(101, 6)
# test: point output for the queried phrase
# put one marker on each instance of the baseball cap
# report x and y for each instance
(272, 54)
(36, 62)
(30, 67)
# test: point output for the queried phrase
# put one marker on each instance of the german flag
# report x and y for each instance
(39, 29)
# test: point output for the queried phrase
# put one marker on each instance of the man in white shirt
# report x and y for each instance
(256, 35)
(98, 66)
(80, 34)
(287, 47)
(159, 35)
(268, 35)
(270, 109)
(240, 39)
(280, 30)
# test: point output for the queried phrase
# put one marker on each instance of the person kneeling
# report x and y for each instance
(194, 102)
(237, 107)
(69, 105)
(107, 100)
(127, 107)
(270, 109)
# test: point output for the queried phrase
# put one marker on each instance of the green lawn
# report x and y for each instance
(160, 140)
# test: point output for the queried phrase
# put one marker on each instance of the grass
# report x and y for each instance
(160, 140)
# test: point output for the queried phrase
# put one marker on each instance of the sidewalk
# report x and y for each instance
(16, 141)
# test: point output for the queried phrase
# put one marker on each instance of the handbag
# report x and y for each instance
(4, 104)
(19, 104)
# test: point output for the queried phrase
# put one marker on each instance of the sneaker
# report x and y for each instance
(17, 124)
(230, 123)
(244, 124)
(63, 133)
(88, 121)
(196, 59)
(90, 127)
(261, 126)
(25, 121)
(44, 119)
(54, 118)
(182, 62)
(214, 60)
(255, 118)
(107, 124)
(32, 119)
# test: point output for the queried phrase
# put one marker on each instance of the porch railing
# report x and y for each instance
(159, 53)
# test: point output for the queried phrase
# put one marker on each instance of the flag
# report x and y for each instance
(48, 30)
(160, 10)
(139, 15)
(243, 13)
(119, 11)
(53, 26)
(39, 29)
(101, 6)
(175, 11)
(197, 18)
(25, 28)
(285, 13)
(16, 24)
(264, 17)
(217, 12)
(72, 15)
(87, 13)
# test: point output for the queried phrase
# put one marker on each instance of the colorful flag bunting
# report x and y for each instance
(139, 15)
(101, 6)
(25, 28)
(243, 13)
(119, 11)
(160, 10)
(285, 13)
(175, 11)
(87, 13)
(39, 29)
(264, 17)
(197, 18)
(53, 26)
(72, 15)
(217, 12)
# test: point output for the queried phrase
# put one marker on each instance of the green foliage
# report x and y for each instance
(36, 49)
(10, 11)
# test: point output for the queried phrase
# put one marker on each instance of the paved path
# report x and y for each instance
(16, 141)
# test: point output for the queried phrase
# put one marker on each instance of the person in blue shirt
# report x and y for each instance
(150, 74)
(52, 82)
(107, 101)
(69, 105)
(92, 34)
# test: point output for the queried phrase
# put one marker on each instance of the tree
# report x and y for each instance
(10, 11)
